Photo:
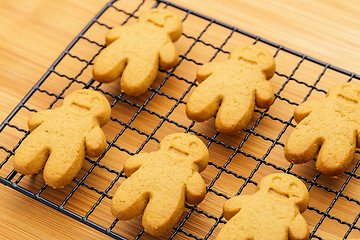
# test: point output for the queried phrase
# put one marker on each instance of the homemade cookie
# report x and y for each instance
(60, 138)
(232, 88)
(159, 183)
(273, 212)
(328, 128)
(135, 52)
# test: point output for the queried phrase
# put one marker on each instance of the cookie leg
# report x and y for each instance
(303, 143)
(234, 113)
(163, 211)
(204, 101)
(129, 200)
(298, 228)
(336, 154)
(138, 75)
(64, 163)
(31, 155)
(109, 65)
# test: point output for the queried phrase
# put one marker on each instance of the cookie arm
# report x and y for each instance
(205, 71)
(95, 142)
(195, 189)
(304, 109)
(37, 119)
(298, 229)
(114, 34)
(133, 163)
(264, 95)
(234, 205)
(168, 56)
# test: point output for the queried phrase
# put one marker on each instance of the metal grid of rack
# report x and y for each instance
(245, 159)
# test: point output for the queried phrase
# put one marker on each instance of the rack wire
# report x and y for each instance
(138, 124)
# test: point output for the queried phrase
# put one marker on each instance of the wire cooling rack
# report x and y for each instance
(237, 163)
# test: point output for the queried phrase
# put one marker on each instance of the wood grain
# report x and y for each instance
(34, 33)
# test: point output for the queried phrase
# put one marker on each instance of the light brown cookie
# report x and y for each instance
(60, 138)
(273, 212)
(135, 52)
(159, 183)
(328, 128)
(232, 87)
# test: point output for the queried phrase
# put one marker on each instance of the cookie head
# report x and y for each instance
(88, 103)
(346, 95)
(185, 147)
(253, 56)
(281, 185)
(164, 19)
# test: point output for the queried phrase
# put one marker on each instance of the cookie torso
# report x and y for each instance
(163, 169)
(131, 42)
(274, 216)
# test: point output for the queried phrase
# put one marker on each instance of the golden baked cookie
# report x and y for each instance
(135, 52)
(59, 138)
(272, 213)
(232, 88)
(159, 183)
(328, 128)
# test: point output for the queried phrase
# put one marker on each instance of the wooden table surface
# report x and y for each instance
(34, 33)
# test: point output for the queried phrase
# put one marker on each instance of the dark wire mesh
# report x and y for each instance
(245, 159)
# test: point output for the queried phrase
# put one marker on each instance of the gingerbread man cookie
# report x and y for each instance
(273, 212)
(59, 138)
(232, 87)
(328, 128)
(159, 183)
(135, 52)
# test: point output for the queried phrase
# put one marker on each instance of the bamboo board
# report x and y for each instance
(51, 27)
